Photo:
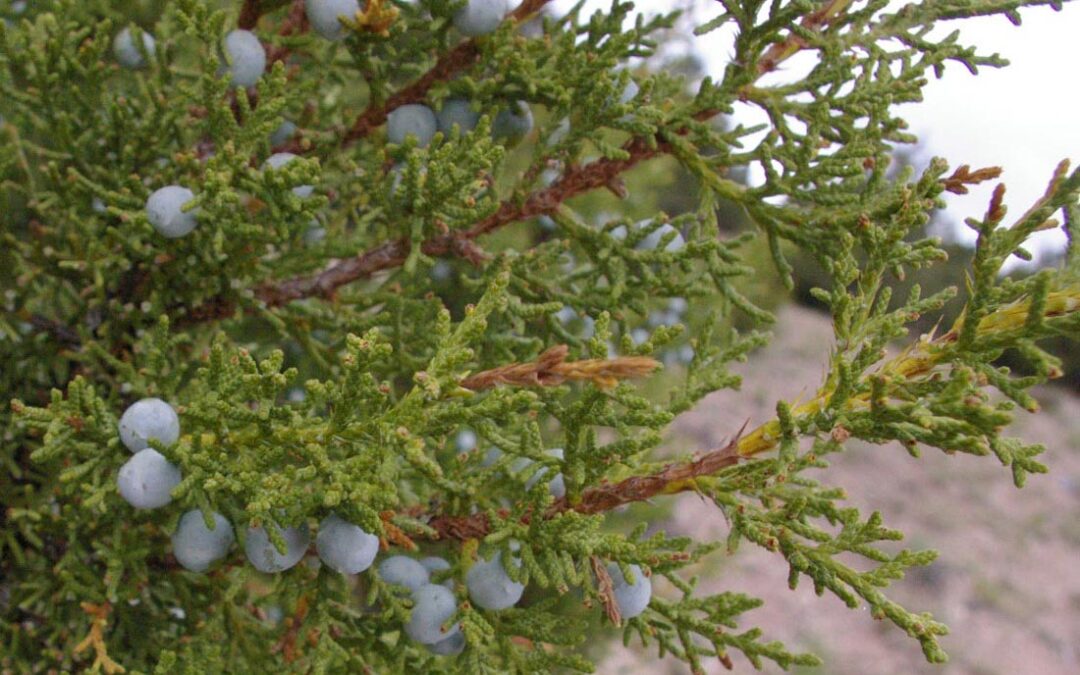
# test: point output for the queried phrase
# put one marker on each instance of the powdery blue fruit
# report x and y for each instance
(513, 123)
(164, 209)
(411, 120)
(480, 17)
(285, 131)
(345, 547)
(465, 440)
(629, 92)
(556, 486)
(653, 239)
(314, 234)
(264, 557)
(441, 271)
(280, 159)
(325, 16)
(457, 112)
(491, 456)
(490, 587)
(127, 52)
(401, 571)
(433, 605)
(451, 646)
(632, 599)
(435, 564)
(245, 57)
(149, 418)
(195, 546)
(146, 480)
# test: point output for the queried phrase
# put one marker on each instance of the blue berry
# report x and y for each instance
(264, 557)
(126, 51)
(147, 479)
(556, 486)
(653, 239)
(435, 564)
(245, 56)
(325, 16)
(465, 440)
(195, 546)
(490, 587)
(513, 123)
(632, 599)
(491, 456)
(411, 120)
(450, 646)
(401, 571)
(164, 209)
(630, 92)
(280, 159)
(285, 131)
(148, 419)
(314, 234)
(441, 271)
(480, 17)
(457, 112)
(345, 547)
(433, 605)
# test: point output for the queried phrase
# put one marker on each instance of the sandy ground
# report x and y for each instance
(1007, 581)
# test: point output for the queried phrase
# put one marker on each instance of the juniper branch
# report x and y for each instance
(917, 361)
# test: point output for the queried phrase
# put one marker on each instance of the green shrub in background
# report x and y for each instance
(423, 328)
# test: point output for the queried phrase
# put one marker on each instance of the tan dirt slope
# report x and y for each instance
(1007, 581)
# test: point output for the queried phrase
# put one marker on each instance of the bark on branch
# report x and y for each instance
(672, 479)
(552, 369)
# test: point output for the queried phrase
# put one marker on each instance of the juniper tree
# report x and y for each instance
(392, 338)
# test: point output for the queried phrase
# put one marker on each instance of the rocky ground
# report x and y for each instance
(1007, 581)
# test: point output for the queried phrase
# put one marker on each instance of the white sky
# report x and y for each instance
(1025, 117)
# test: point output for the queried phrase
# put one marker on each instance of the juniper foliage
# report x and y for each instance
(324, 352)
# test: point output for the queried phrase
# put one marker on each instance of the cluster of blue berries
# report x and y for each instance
(511, 124)
(147, 480)
(243, 53)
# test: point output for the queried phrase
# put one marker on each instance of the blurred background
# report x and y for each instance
(1007, 581)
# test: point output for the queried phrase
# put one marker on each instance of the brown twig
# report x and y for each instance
(394, 253)
(286, 645)
(963, 176)
(606, 588)
(54, 328)
(96, 638)
(781, 51)
(671, 479)
(552, 369)
(250, 13)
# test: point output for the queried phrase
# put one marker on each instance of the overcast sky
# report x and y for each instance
(1025, 117)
